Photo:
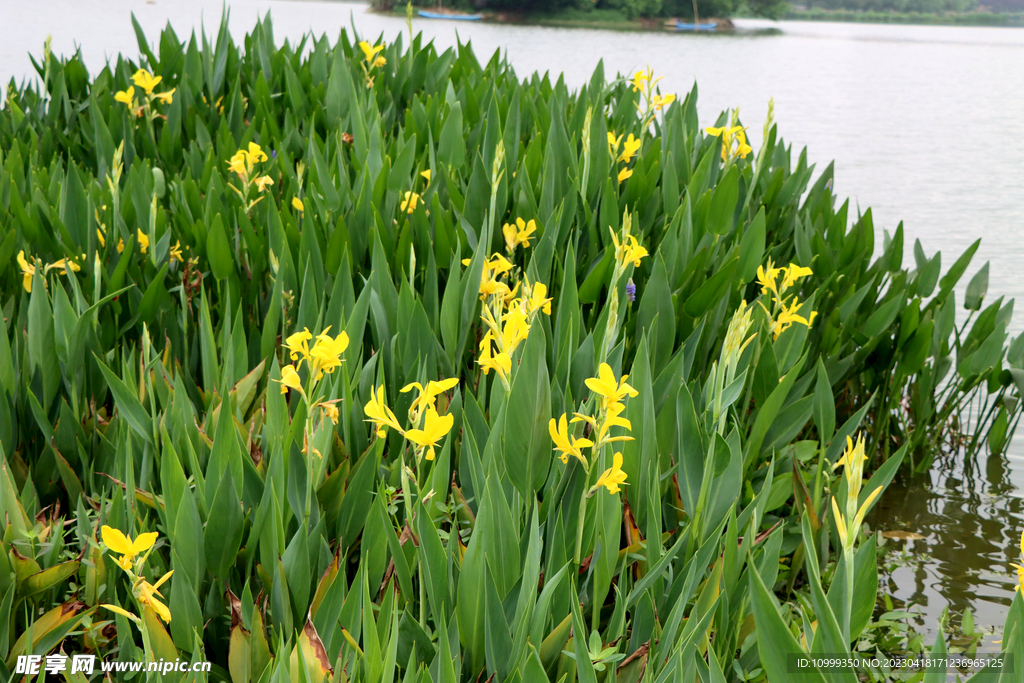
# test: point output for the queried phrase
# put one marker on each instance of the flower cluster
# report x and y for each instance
(428, 426)
(734, 140)
(507, 311)
(629, 150)
(146, 82)
(325, 356)
(243, 164)
(28, 270)
(133, 561)
(612, 392)
(849, 523)
(784, 313)
(371, 60)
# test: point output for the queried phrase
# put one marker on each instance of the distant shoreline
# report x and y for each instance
(616, 20)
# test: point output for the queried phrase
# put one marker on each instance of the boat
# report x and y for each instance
(458, 17)
(680, 26)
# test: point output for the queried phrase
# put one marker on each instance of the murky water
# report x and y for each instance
(923, 123)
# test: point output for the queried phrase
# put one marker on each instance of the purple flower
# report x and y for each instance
(631, 290)
(273, 153)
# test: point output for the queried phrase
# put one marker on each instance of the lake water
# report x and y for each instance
(924, 125)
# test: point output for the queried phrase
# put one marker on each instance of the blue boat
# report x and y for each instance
(457, 17)
(680, 26)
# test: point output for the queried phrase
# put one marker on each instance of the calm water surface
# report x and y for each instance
(923, 123)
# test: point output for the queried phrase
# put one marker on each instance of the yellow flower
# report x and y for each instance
(146, 80)
(330, 410)
(101, 237)
(640, 78)
(379, 413)
(518, 233)
(143, 240)
(515, 329)
(28, 270)
(625, 173)
(538, 298)
(793, 273)
(659, 102)
(742, 148)
(256, 153)
(120, 246)
(630, 148)
(126, 96)
(370, 53)
(766, 276)
(632, 251)
(166, 97)
(297, 204)
(613, 143)
(122, 612)
(426, 174)
(326, 353)
(608, 388)
(64, 265)
(263, 182)
(500, 363)
(409, 202)
(611, 419)
(1020, 568)
(122, 543)
(237, 164)
(290, 380)
(611, 477)
(298, 345)
(788, 316)
(146, 593)
(428, 395)
(566, 444)
(729, 135)
(176, 254)
(380, 61)
(434, 429)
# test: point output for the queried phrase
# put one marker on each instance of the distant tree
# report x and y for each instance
(770, 9)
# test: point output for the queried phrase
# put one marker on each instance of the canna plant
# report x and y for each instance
(543, 432)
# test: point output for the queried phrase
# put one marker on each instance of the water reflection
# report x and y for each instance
(971, 513)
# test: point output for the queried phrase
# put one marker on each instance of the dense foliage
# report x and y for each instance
(301, 331)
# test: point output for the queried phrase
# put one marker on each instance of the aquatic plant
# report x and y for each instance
(483, 256)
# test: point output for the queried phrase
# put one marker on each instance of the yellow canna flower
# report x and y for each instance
(28, 270)
(515, 329)
(409, 202)
(632, 251)
(146, 592)
(742, 148)
(146, 80)
(426, 174)
(330, 410)
(122, 543)
(640, 79)
(326, 352)
(434, 429)
(64, 265)
(297, 204)
(611, 477)
(166, 97)
(143, 240)
(625, 173)
(255, 153)
(122, 612)
(659, 102)
(379, 413)
(565, 443)
(370, 53)
(120, 246)
(428, 395)
(766, 276)
(126, 96)
(263, 182)
(101, 237)
(298, 345)
(788, 315)
(176, 254)
(792, 273)
(237, 163)
(608, 388)
(538, 299)
(630, 148)
(380, 61)
(290, 380)
(501, 363)
(613, 143)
